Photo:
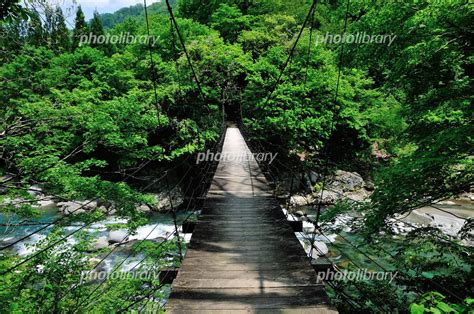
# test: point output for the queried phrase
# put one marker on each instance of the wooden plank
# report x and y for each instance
(243, 255)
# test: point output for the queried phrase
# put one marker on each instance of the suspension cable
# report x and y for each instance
(290, 55)
(198, 83)
(152, 63)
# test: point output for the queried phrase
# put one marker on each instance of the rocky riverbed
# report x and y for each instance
(104, 232)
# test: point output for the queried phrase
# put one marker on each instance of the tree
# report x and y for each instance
(80, 28)
(12, 10)
(59, 33)
(428, 70)
(229, 21)
(96, 27)
(97, 30)
(35, 31)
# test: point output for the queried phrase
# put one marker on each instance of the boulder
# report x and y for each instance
(466, 196)
(158, 239)
(117, 236)
(35, 190)
(94, 262)
(299, 200)
(346, 181)
(143, 208)
(164, 200)
(45, 204)
(447, 203)
(328, 197)
(76, 207)
(99, 243)
(369, 186)
(358, 196)
(298, 213)
(313, 177)
(127, 247)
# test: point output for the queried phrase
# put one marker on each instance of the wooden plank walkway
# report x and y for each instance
(243, 255)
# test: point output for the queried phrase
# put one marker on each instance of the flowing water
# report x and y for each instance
(160, 226)
(342, 253)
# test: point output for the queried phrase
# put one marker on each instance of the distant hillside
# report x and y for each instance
(135, 11)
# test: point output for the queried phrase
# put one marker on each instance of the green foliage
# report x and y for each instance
(60, 278)
(427, 71)
(228, 20)
(432, 302)
(59, 33)
(40, 283)
(78, 121)
(301, 115)
(80, 28)
(12, 11)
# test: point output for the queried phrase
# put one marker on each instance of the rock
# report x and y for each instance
(158, 239)
(117, 236)
(379, 153)
(99, 243)
(447, 203)
(369, 186)
(164, 200)
(35, 190)
(308, 227)
(299, 213)
(104, 203)
(299, 200)
(45, 204)
(6, 178)
(346, 181)
(358, 195)
(466, 196)
(127, 247)
(143, 208)
(94, 262)
(328, 197)
(76, 207)
(313, 176)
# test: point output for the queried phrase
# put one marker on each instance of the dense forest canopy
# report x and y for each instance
(95, 120)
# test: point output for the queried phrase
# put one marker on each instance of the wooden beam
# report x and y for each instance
(297, 226)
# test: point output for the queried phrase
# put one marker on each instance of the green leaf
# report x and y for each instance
(417, 308)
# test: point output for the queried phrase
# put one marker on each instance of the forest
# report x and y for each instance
(367, 105)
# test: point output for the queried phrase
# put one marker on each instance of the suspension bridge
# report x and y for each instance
(243, 254)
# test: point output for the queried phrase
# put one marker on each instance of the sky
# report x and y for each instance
(89, 6)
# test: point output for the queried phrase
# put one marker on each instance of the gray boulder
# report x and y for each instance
(76, 207)
(99, 243)
(164, 200)
(299, 200)
(117, 236)
(346, 181)
(45, 204)
(313, 176)
(328, 197)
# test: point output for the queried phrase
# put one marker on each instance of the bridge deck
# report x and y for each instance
(243, 255)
